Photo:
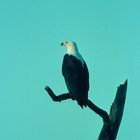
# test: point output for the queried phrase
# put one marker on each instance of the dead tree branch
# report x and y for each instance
(109, 130)
(112, 121)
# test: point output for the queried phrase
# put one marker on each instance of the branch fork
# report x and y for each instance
(111, 121)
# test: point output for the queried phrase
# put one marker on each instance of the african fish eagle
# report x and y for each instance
(75, 72)
(76, 75)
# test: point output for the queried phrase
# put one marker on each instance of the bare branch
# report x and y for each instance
(109, 130)
(112, 121)
(58, 98)
(103, 114)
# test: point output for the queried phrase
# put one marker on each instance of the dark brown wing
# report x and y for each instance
(76, 77)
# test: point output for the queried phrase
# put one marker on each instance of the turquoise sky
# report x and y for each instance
(107, 34)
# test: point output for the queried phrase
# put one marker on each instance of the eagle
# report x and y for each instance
(76, 75)
(75, 72)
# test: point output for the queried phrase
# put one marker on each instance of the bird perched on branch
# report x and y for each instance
(76, 75)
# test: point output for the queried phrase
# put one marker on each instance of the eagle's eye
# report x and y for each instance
(66, 42)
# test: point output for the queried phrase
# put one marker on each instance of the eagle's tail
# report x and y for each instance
(82, 103)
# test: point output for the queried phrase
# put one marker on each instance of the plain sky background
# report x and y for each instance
(108, 36)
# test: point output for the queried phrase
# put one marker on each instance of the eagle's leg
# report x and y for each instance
(58, 98)
(99, 111)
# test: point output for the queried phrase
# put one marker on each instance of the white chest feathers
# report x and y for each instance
(72, 50)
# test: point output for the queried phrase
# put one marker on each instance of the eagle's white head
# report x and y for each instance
(71, 47)
(72, 50)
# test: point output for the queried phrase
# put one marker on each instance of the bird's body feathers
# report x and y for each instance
(77, 78)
